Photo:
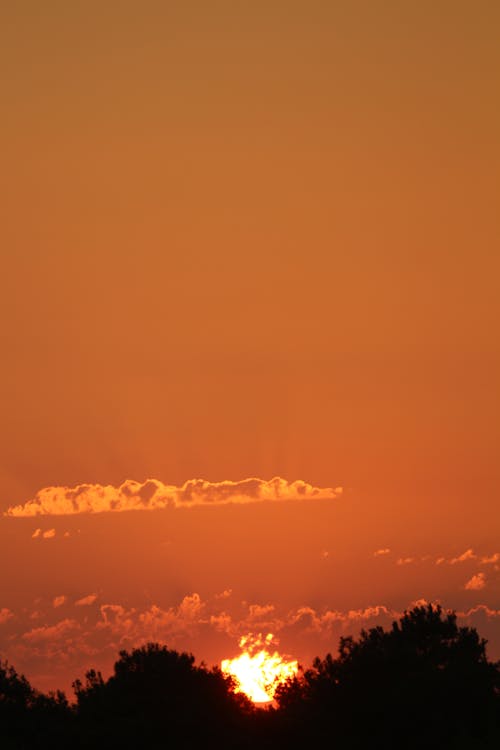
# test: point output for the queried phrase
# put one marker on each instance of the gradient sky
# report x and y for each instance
(248, 239)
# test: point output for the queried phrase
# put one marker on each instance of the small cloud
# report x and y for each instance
(222, 622)
(491, 560)
(365, 614)
(224, 594)
(66, 534)
(85, 601)
(325, 554)
(476, 583)
(5, 614)
(58, 601)
(258, 611)
(36, 533)
(467, 555)
(380, 552)
(49, 534)
(440, 560)
(405, 560)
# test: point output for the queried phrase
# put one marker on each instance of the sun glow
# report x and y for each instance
(257, 671)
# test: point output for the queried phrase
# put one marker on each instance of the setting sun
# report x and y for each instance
(257, 671)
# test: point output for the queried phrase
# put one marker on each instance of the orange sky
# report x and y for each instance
(248, 240)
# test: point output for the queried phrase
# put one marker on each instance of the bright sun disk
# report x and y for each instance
(257, 671)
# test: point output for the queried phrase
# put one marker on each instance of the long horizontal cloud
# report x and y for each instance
(153, 495)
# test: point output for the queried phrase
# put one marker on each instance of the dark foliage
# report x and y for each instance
(29, 719)
(423, 683)
(160, 698)
(426, 682)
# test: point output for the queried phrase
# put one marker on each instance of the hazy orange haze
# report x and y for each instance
(247, 240)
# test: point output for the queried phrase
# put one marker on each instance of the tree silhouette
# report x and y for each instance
(158, 697)
(425, 679)
(28, 718)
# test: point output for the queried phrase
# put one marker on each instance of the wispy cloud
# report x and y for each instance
(58, 601)
(153, 495)
(470, 556)
(381, 552)
(464, 557)
(154, 623)
(224, 594)
(480, 609)
(47, 534)
(51, 633)
(86, 601)
(405, 560)
(490, 559)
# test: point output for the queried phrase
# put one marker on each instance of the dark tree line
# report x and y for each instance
(424, 683)
(29, 718)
